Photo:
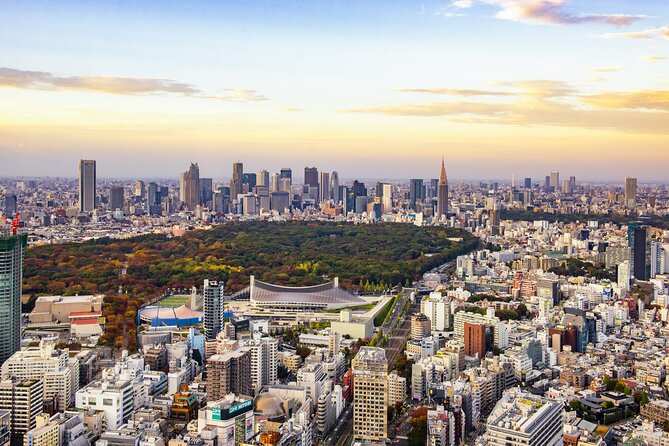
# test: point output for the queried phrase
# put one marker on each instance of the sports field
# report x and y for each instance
(173, 301)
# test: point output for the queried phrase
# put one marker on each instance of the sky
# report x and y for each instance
(368, 88)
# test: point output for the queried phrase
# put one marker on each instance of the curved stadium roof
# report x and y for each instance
(324, 295)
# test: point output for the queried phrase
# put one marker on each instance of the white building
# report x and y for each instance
(397, 389)
(522, 419)
(437, 308)
(51, 366)
(114, 398)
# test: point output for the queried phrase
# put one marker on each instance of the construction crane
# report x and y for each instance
(16, 223)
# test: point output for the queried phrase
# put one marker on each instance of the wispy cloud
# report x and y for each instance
(237, 95)
(607, 69)
(543, 12)
(291, 110)
(656, 100)
(653, 58)
(455, 92)
(553, 12)
(548, 103)
(42, 80)
(651, 33)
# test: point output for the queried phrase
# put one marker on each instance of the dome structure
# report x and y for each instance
(270, 406)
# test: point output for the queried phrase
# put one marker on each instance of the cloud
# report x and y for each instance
(606, 69)
(41, 80)
(655, 100)
(539, 11)
(548, 103)
(652, 58)
(552, 12)
(651, 33)
(238, 95)
(291, 110)
(463, 4)
(455, 92)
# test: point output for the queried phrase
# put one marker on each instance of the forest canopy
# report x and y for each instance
(293, 253)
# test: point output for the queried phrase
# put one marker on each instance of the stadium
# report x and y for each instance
(159, 316)
(327, 296)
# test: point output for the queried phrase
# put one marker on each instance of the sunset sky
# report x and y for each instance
(368, 88)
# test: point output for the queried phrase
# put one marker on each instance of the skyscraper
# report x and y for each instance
(630, 192)
(311, 176)
(249, 179)
(334, 187)
(116, 198)
(236, 184)
(442, 192)
(324, 190)
(206, 190)
(386, 197)
(87, 179)
(286, 172)
(416, 193)
(213, 308)
(262, 178)
(10, 205)
(639, 243)
(370, 394)
(12, 248)
(190, 187)
(555, 181)
(528, 183)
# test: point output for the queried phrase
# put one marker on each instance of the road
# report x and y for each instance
(342, 434)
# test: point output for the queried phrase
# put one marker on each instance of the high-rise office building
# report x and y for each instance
(639, 243)
(370, 394)
(206, 190)
(87, 182)
(274, 183)
(12, 248)
(311, 176)
(10, 206)
(213, 308)
(236, 183)
(630, 192)
(139, 189)
(416, 193)
(116, 198)
(153, 195)
(442, 192)
(555, 181)
(262, 178)
(359, 189)
(324, 189)
(334, 187)
(386, 197)
(286, 172)
(528, 183)
(249, 181)
(190, 187)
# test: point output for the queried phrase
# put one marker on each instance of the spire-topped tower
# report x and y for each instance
(442, 191)
(442, 175)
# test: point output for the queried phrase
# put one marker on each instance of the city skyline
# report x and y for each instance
(374, 86)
